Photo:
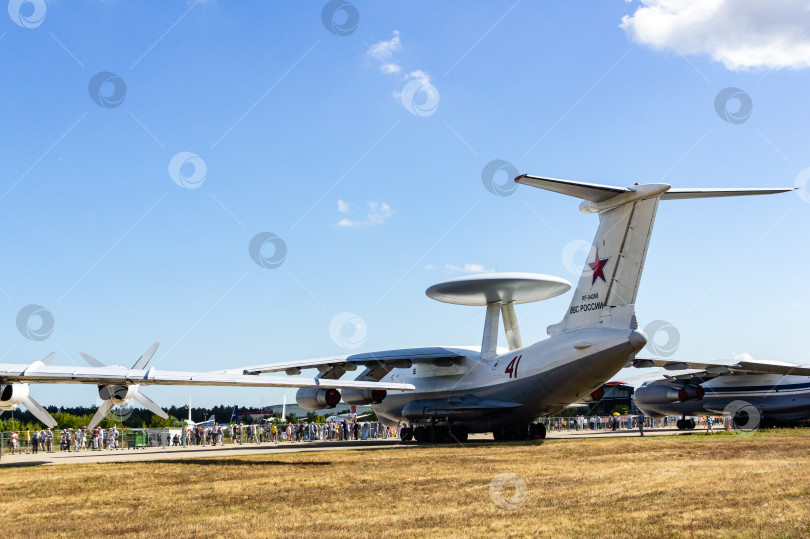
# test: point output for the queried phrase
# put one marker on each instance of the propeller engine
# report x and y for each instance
(118, 395)
(13, 395)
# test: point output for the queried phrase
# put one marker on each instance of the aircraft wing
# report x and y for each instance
(405, 357)
(724, 367)
(49, 374)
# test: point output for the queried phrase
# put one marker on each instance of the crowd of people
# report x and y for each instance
(310, 432)
(98, 439)
(617, 422)
(275, 433)
(33, 441)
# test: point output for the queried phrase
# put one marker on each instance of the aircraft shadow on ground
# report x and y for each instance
(27, 464)
(235, 461)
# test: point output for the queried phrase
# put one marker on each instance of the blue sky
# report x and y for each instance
(303, 132)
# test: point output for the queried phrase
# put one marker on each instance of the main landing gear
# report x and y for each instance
(433, 434)
(534, 431)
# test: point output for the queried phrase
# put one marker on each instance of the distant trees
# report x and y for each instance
(76, 417)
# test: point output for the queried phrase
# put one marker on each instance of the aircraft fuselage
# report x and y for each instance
(515, 387)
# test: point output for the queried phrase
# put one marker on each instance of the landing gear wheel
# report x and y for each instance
(522, 432)
(537, 431)
(440, 435)
(690, 424)
(406, 434)
(458, 435)
(420, 434)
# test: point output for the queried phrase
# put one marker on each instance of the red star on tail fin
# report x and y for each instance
(598, 267)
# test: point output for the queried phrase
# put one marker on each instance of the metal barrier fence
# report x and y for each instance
(72, 440)
(623, 422)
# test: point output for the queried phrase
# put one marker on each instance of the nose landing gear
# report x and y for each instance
(685, 424)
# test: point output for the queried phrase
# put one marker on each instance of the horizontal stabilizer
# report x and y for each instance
(595, 192)
(681, 194)
(586, 191)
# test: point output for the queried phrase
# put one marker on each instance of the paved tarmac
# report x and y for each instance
(266, 448)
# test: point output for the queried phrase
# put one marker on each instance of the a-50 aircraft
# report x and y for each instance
(462, 390)
(117, 384)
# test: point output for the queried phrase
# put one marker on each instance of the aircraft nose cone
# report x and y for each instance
(638, 339)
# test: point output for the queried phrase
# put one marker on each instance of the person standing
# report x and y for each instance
(641, 422)
(709, 425)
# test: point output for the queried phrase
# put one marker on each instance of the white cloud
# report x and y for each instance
(382, 50)
(378, 212)
(742, 35)
(390, 69)
(467, 268)
(420, 75)
(343, 207)
(745, 356)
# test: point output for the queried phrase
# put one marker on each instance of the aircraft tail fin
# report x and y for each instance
(234, 414)
(607, 288)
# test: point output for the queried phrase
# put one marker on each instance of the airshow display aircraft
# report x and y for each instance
(117, 385)
(752, 393)
(211, 421)
(463, 390)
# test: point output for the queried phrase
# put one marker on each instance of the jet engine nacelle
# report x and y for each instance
(317, 399)
(118, 395)
(690, 392)
(364, 396)
(662, 394)
(13, 395)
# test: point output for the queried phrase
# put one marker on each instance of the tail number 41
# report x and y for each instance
(512, 368)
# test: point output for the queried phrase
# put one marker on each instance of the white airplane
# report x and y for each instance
(117, 384)
(349, 416)
(462, 390)
(210, 422)
(752, 393)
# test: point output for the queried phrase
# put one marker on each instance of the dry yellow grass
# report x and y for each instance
(683, 486)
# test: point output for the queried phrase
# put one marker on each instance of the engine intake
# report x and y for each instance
(364, 396)
(317, 399)
(13, 395)
(118, 395)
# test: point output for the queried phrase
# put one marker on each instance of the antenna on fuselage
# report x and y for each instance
(499, 292)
